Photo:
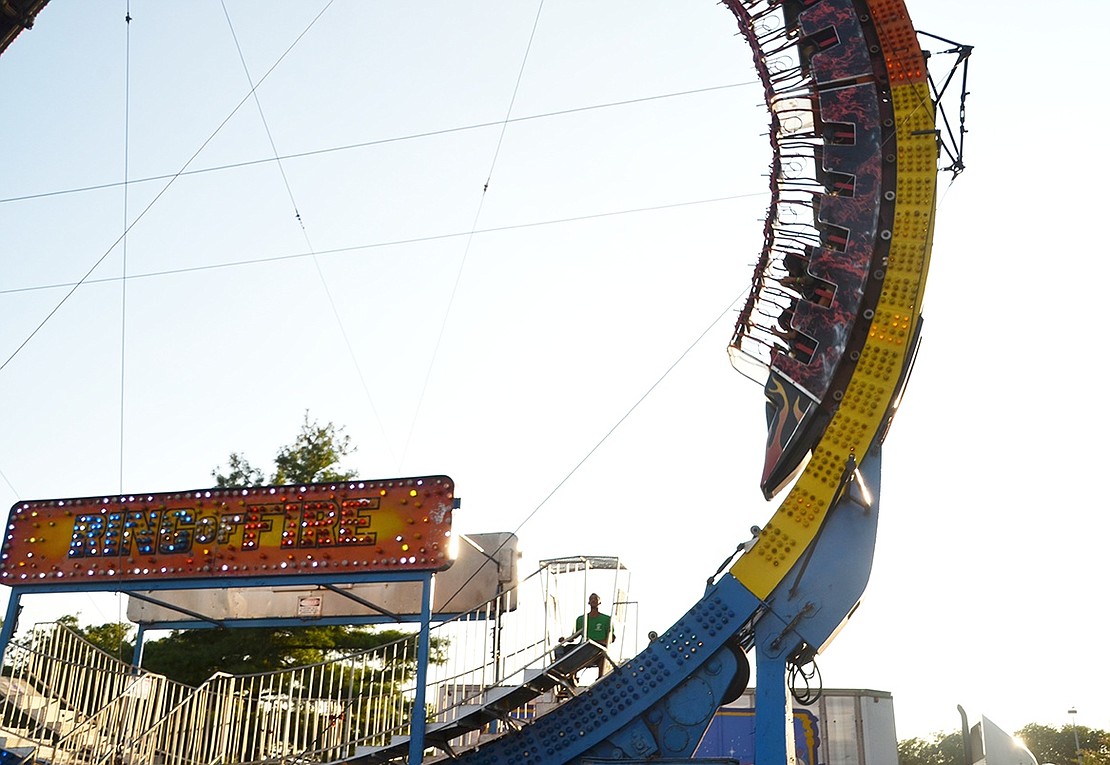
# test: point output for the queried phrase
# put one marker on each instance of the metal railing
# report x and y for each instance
(73, 703)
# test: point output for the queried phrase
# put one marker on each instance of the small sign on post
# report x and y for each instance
(310, 607)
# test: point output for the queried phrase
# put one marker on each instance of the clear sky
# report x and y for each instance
(565, 363)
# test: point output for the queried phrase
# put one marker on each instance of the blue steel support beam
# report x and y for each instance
(812, 602)
(423, 651)
(11, 619)
(774, 713)
(137, 656)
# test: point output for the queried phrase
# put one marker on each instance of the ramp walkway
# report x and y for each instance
(493, 705)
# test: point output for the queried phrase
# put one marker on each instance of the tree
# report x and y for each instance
(314, 456)
(113, 638)
(192, 656)
(1048, 745)
(240, 473)
(1057, 745)
(940, 749)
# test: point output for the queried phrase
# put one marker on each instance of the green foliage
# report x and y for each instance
(113, 638)
(1048, 745)
(313, 457)
(192, 656)
(240, 473)
(1057, 745)
(939, 749)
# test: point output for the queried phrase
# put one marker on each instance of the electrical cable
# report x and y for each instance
(390, 243)
(123, 286)
(157, 197)
(123, 242)
(379, 142)
(469, 240)
(308, 241)
(9, 483)
(806, 684)
(605, 437)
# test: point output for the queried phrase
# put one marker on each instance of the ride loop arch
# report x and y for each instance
(833, 320)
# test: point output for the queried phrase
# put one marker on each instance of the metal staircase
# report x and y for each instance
(495, 706)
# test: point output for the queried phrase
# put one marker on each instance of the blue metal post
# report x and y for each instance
(11, 619)
(774, 713)
(423, 652)
(137, 656)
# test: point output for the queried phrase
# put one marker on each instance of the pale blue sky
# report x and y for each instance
(503, 358)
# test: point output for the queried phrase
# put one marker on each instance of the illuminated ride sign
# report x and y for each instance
(341, 530)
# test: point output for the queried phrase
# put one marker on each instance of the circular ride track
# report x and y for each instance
(832, 319)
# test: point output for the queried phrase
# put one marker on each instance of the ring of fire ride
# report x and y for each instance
(834, 315)
(832, 321)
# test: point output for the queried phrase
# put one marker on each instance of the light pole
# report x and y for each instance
(1075, 732)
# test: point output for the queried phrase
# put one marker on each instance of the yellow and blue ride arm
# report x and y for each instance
(833, 319)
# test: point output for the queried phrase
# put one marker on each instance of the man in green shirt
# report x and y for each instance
(599, 629)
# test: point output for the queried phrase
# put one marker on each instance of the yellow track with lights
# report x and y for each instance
(862, 410)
